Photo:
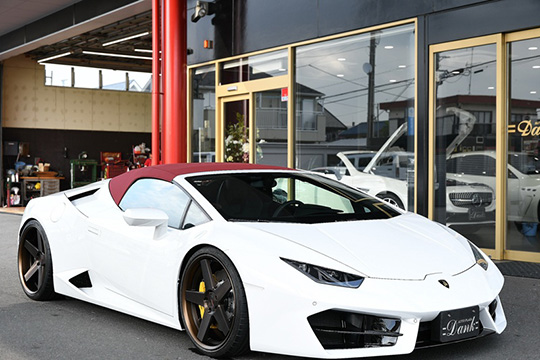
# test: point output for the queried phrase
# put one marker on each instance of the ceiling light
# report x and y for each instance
(126, 38)
(402, 66)
(536, 67)
(144, 50)
(388, 47)
(55, 57)
(393, 80)
(341, 59)
(116, 55)
(491, 87)
(340, 75)
(533, 48)
(533, 92)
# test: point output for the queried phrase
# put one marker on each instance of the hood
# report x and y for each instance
(406, 247)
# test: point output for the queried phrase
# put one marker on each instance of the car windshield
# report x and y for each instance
(287, 197)
(525, 163)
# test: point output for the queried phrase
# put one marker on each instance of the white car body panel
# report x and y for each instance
(135, 273)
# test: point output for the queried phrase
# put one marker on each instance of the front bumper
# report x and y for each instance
(288, 326)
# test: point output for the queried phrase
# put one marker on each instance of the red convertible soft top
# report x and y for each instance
(119, 185)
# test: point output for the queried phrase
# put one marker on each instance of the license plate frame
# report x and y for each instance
(457, 324)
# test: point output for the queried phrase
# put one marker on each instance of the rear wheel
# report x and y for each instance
(213, 304)
(35, 262)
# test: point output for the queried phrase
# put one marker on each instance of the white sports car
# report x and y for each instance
(262, 258)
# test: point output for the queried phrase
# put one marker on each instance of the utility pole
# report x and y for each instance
(373, 42)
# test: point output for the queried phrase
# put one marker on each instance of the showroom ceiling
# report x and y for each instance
(106, 47)
(88, 46)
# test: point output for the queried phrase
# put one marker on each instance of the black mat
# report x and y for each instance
(519, 269)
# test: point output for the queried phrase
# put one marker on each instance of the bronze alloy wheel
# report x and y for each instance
(35, 263)
(213, 304)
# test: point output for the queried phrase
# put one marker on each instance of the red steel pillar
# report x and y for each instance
(156, 81)
(174, 77)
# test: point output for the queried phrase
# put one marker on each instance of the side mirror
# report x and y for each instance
(148, 217)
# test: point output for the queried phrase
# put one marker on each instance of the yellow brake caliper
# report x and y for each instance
(202, 288)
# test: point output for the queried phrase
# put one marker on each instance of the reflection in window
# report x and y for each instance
(255, 67)
(271, 127)
(203, 109)
(523, 205)
(465, 143)
(157, 194)
(352, 95)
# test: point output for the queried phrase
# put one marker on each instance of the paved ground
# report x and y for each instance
(71, 329)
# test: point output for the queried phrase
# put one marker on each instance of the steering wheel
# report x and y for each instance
(286, 204)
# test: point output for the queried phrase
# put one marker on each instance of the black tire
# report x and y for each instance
(213, 304)
(391, 199)
(35, 262)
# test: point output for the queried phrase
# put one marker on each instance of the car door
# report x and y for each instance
(131, 259)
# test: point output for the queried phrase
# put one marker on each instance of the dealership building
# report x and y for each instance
(437, 103)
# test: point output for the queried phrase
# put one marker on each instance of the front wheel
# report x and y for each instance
(35, 262)
(391, 199)
(213, 304)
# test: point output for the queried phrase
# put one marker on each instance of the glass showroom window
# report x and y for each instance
(465, 141)
(254, 67)
(139, 81)
(58, 75)
(86, 77)
(522, 198)
(271, 127)
(113, 80)
(203, 110)
(352, 95)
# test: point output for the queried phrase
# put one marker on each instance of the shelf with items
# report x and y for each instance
(33, 187)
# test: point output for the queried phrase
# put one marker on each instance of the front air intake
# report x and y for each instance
(344, 330)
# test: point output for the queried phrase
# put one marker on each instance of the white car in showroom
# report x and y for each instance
(245, 256)
(523, 197)
(466, 203)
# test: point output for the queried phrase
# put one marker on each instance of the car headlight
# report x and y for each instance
(478, 257)
(326, 276)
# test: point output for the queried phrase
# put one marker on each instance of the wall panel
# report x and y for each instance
(28, 103)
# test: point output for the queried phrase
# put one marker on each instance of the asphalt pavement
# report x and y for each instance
(72, 329)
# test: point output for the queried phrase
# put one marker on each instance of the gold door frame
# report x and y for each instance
(246, 91)
(220, 125)
(500, 139)
(517, 36)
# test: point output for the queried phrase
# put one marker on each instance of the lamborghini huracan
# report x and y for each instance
(253, 257)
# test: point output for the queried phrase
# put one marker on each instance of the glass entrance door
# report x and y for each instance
(255, 127)
(523, 144)
(464, 117)
(235, 119)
